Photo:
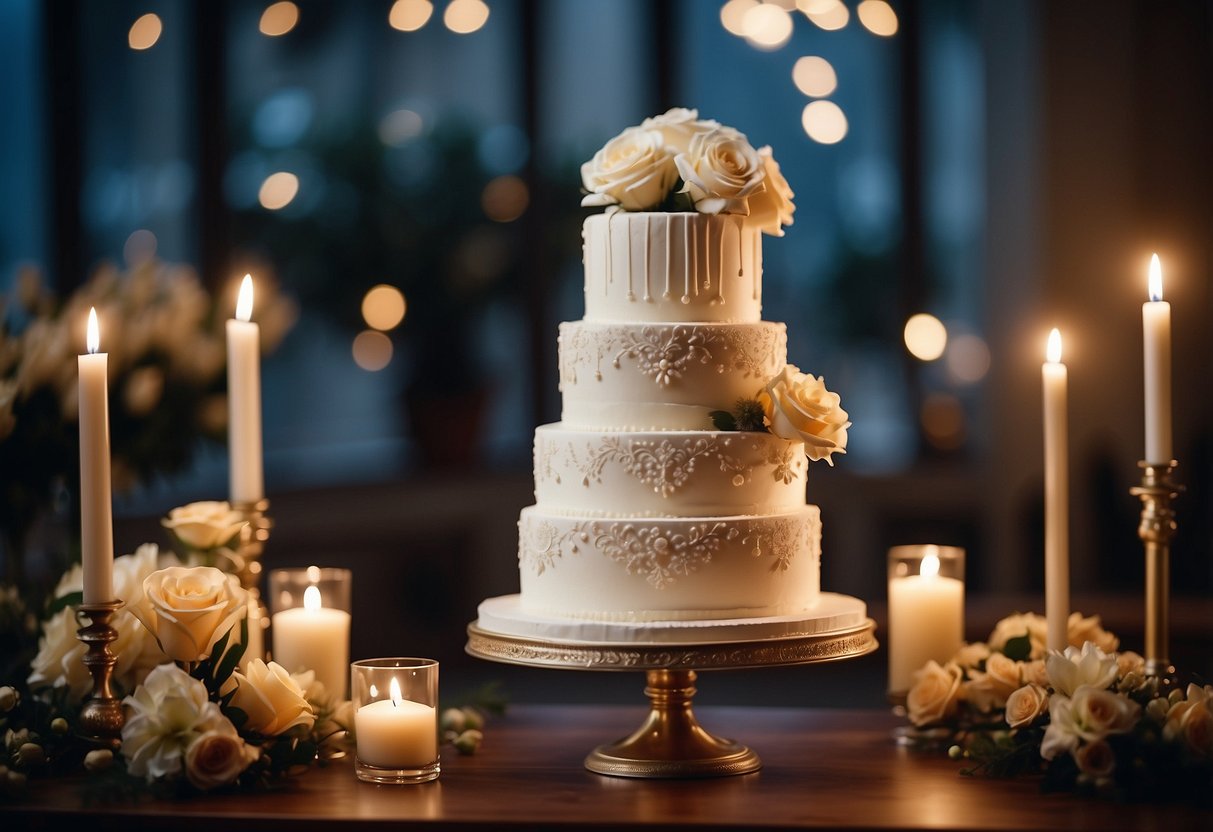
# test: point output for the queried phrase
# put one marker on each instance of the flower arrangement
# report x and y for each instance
(679, 162)
(1086, 719)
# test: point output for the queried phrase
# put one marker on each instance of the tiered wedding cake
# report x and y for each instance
(673, 488)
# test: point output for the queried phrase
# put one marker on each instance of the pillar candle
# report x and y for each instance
(1156, 327)
(1057, 496)
(397, 733)
(316, 638)
(926, 621)
(96, 518)
(246, 484)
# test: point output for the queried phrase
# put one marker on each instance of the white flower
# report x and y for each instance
(1073, 669)
(678, 126)
(164, 716)
(1034, 626)
(634, 170)
(1095, 760)
(273, 701)
(1129, 662)
(1025, 705)
(721, 171)
(772, 208)
(217, 757)
(1098, 712)
(799, 407)
(1062, 734)
(188, 609)
(204, 525)
(935, 694)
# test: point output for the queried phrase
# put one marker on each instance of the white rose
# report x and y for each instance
(721, 171)
(1098, 712)
(634, 170)
(188, 609)
(1036, 673)
(164, 716)
(678, 126)
(1191, 719)
(204, 525)
(1034, 626)
(772, 209)
(1080, 630)
(935, 694)
(1129, 662)
(1095, 760)
(217, 758)
(989, 690)
(799, 407)
(1026, 705)
(273, 701)
(1073, 669)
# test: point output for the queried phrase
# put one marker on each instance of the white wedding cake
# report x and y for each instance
(673, 488)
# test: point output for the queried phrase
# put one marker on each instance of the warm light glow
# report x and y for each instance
(465, 16)
(311, 598)
(926, 337)
(394, 691)
(279, 18)
(313, 574)
(244, 301)
(505, 198)
(816, 6)
(943, 421)
(372, 350)
(92, 333)
(145, 32)
(410, 15)
(1155, 278)
(814, 76)
(824, 121)
(877, 17)
(383, 307)
(930, 563)
(830, 15)
(278, 190)
(732, 15)
(1053, 348)
(767, 26)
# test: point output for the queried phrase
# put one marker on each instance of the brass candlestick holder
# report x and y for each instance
(101, 716)
(1156, 529)
(247, 561)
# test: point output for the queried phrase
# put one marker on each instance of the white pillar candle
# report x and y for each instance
(246, 483)
(1156, 327)
(1057, 496)
(96, 517)
(316, 638)
(397, 733)
(926, 621)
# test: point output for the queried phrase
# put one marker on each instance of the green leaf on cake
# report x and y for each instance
(723, 420)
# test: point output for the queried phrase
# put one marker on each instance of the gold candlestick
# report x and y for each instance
(101, 716)
(1156, 530)
(247, 565)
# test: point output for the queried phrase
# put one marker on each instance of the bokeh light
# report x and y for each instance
(279, 18)
(372, 350)
(465, 16)
(943, 421)
(767, 26)
(967, 359)
(278, 190)
(139, 248)
(830, 15)
(877, 17)
(824, 121)
(505, 198)
(732, 15)
(383, 307)
(410, 15)
(926, 337)
(814, 76)
(398, 126)
(145, 32)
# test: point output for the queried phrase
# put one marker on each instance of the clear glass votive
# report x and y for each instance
(926, 611)
(310, 625)
(395, 719)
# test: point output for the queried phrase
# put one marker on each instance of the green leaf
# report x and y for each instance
(723, 420)
(227, 664)
(1018, 648)
(71, 599)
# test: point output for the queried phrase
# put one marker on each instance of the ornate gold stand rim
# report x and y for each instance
(554, 653)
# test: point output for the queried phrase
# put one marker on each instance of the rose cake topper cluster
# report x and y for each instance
(673, 488)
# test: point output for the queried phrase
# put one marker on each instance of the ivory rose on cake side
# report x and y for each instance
(772, 208)
(720, 170)
(800, 408)
(635, 170)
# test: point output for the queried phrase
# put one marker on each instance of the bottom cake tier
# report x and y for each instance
(669, 569)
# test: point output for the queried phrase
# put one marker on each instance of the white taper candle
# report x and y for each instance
(96, 511)
(1057, 496)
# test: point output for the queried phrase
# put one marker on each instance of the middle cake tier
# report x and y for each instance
(663, 376)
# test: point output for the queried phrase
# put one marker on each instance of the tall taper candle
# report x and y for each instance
(246, 484)
(1057, 496)
(1156, 327)
(96, 511)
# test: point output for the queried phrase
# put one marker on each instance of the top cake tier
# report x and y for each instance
(672, 267)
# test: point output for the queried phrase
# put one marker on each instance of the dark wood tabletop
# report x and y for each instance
(823, 769)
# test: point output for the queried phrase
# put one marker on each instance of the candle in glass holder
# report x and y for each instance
(395, 719)
(311, 623)
(926, 609)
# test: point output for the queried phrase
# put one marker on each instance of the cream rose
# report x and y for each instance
(721, 171)
(1026, 705)
(1129, 662)
(634, 170)
(1095, 760)
(971, 655)
(1018, 625)
(989, 690)
(204, 525)
(772, 209)
(1075, 668)
(217, 758)
(164, 716)
(935, 695)
(678, 126)
(1191, 719)
(1098, 712)
(273, 701)
(1080, 630)
(799, 407)
(1036, 673)
(188, 609)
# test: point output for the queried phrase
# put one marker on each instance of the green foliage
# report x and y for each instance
(747, 414)
(1018, 648)
(723, 420)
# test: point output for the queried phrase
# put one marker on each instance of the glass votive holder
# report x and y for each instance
(310, 625)
(395, 719)
(926, 611)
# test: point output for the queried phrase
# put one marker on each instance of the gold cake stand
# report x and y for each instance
(671, 743)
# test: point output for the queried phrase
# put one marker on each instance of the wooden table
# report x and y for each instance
(823, 769)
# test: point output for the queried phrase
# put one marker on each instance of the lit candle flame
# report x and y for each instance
(311, 598)
(1053, 350)
(1155, 278)
(930, 565)
(244, 303)
(394, 690)
(93, 338)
